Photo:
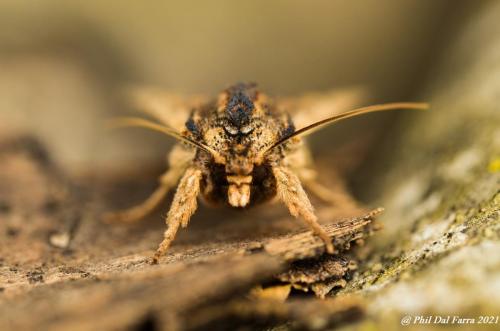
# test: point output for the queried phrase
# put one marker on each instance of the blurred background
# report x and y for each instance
(63, 63)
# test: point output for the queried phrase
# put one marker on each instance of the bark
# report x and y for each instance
(63, 269)
(438, 254)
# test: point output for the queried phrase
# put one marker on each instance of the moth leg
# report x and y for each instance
(336, 196)
(179, 158)
(138, 212)
(290, 191)
(183, 207)
(301, 163)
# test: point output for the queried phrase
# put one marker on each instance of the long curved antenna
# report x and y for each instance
(356, 112)
(122, 122)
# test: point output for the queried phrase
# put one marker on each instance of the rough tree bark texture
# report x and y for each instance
(442, 252)
(63, 269)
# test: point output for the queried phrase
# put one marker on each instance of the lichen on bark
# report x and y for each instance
(439, 252)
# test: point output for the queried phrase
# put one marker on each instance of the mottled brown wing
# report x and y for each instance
(170, 108)
(315, 106)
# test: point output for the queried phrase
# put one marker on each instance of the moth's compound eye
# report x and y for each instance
(246, 129)
(232, 130)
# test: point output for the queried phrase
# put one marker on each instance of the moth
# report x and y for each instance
(240, 149)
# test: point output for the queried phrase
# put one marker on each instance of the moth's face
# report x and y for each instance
(246, 127)
(240, 171)
(242, 154)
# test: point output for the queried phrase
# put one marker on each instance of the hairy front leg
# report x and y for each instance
(301, 163)
(179, 159)
(290, 191)
(182, 208)
(337, 196)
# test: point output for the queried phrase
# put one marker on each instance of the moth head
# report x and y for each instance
(237, 105)
(239, 108)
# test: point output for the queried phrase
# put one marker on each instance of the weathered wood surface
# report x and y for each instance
(62, 269)
(439, 251)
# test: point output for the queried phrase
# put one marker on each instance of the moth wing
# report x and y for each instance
(170, 108)
(315, 106)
